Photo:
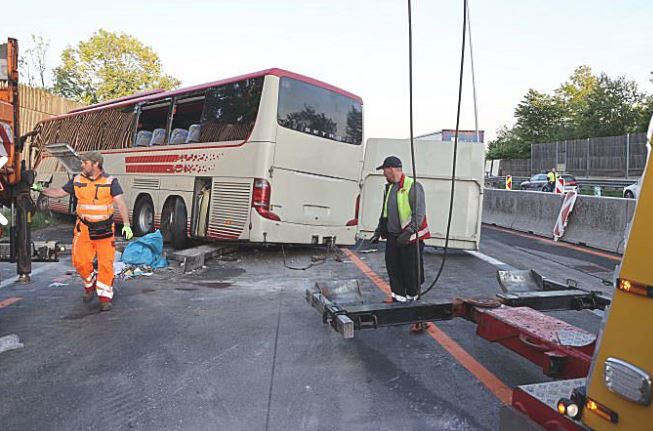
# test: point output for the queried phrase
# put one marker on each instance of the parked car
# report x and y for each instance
(632, 191)
(539, 182)
(536, 182)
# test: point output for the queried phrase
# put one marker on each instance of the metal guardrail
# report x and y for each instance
(611, 183)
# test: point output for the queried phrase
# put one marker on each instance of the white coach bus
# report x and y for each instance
(269, 157)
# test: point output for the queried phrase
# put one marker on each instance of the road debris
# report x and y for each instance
(131, 271)
(10, 342)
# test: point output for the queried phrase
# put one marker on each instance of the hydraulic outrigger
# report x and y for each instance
(15, 177)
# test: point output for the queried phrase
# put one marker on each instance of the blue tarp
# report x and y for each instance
(147, 250)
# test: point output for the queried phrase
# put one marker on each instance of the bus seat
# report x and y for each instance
(178, 136)
(143, 138)
(193, 134)
(158, 137)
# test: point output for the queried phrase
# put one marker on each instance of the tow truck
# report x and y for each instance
(15, 176)
(604, 380)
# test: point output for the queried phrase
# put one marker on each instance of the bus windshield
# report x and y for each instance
(319, 112)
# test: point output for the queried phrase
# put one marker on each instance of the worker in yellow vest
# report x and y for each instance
(96, 193)
(402, 223)
(551, 179)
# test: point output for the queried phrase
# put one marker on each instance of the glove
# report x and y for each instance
(37, 187)
(127, 232)
(375, 238)
(404, 238)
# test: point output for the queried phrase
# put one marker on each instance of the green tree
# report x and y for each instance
(585, 106)
(109, 65)
(540, 117)
(508, 145)
(614, 107)
(573, 95)
(645, 114)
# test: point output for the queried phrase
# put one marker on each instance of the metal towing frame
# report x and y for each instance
(514, 318)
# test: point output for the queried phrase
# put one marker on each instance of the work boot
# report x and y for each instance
(89, 294)
(105, 305)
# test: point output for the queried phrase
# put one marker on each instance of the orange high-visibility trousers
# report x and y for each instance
(84, 251)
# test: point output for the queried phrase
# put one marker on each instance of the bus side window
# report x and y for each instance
(152, 123)
(186, 114)
(230, 110)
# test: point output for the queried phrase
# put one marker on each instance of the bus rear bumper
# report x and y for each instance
(270, 231)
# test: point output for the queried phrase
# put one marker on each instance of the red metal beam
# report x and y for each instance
(562, 350)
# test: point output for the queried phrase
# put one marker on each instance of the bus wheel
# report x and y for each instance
(178, 222)
(143, 218)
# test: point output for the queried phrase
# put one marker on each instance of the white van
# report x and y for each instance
(433, 160)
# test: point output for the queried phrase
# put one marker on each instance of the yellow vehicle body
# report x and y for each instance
(627, 332)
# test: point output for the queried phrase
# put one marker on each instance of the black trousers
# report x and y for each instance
(401, 263)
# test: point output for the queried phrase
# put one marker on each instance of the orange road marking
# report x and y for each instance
(7, 302)
(485, 376)
(558, 243)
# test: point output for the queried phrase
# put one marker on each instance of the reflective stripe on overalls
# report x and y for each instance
(94, 200)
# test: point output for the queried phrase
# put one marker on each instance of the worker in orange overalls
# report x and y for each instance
(96, 193)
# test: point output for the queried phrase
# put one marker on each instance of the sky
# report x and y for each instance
(362, 46)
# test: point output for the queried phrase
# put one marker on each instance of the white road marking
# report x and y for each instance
(36, 271)
(489, 259)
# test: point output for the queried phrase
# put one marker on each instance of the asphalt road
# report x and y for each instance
(236, 347)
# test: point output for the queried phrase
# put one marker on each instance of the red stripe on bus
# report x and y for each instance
(169, 158)
(150, 169)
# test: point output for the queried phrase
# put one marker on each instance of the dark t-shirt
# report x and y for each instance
(116, 190)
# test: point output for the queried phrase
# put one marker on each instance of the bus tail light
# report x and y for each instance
(354, 221)
(261, 199)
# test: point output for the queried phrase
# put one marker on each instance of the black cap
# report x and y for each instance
(390, 162)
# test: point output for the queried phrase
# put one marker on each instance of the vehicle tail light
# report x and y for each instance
(602, 411)
(354, 221)
(636, 288)
(261, 199)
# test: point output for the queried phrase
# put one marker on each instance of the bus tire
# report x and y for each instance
(143, 217)
(178, 222)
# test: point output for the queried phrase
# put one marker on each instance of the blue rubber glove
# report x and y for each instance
(127, 232)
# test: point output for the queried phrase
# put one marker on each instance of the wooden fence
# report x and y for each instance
(37, 104)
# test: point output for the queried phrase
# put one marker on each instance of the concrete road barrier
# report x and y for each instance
(597, 222)
(533, 212)
(600, 222)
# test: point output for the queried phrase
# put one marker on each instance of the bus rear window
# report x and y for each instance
(319, 112)
(230, 110)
